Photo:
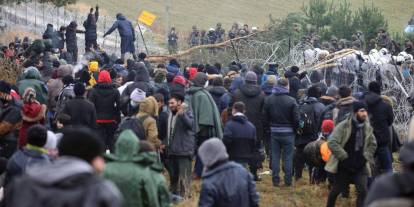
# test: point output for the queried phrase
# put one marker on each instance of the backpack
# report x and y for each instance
(64, 96)
(133, 123)
(343, 113)
(308, 120)
(313, 153)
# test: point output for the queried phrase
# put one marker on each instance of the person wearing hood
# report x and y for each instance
(56, 85)
(127, 33)
(148, 111)
(133, 180)
(90, 29)
(343, 108)
(93, 70)
(381, 118)
(31, 154)
(51, 35)
(178, 85)
(206, 115)
(10, 120)
(180, 145)
(149, 159)
(252, 96)
(313, 109)
(81, 111)
(142, 58)
(72, 40)
(281, 121)
(329, 101)
(32, 78)
(106, 99)
(73, 177)
(217, 91)
(395, 189)
(32, 113)
(294, 81)
(224, 182)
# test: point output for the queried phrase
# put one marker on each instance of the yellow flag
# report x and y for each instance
(147, 18)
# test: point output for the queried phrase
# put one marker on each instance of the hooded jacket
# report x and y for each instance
(133, 180)
(149, 109)
(343, 109)
(10, 122)
(206, 115)
(32, 78)
(106, 99)
(381, 118)
(90, 26)
(294, 83)
(71, 39)
(126, 31)
(81, 111)
(217, 92)
(70, 179)
(32, 113)
(181, 140)
(253, 97)
(240, 139)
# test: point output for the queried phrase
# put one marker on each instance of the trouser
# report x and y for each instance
(107, 131)
(74, 53)
(198, 167)
(179, 168)
(384, 160)
(300, 161)
(267, 143)
(282, 146)
(342, 179)
(90, 44)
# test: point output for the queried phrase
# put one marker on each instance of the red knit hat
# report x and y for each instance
(179, 80)
(327, 126)
(104, 77)
(192, 72)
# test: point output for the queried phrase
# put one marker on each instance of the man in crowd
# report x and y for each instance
(353, 146)
(127, 33)
(281, 115)
(71, 181)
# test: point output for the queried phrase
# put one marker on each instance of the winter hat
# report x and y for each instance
(64, 70)
(192, 72)
(294, 69)
(327, 126)
(179, 80)
(5, 90)
(271, 80)
(173, 69)
(175, 63)
(67, 79)
(332, 91)
(82, 143)
(200, 79)
(283, 82)
(212, 70)
(160, 75)
(212, 151)
(55, 63)
(314, 91)
(37, 135)
(218, 81)
(104, 77)
(79, 89)
(250, 77)
(357, 105)
(374, 87)
(29, 95)
(93, 66)
(137, 95)
(406, 155)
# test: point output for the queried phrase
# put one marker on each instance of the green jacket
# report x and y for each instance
(206, 114)
(149, 159)
(32, 78)
(340, 137)
(133, 180)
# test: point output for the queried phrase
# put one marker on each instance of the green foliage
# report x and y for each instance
(57, 3)
(317, 13)
(369, 20)
(341, 21)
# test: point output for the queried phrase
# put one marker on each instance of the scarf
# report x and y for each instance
(359, 135)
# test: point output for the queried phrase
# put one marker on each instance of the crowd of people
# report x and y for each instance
(103, 134)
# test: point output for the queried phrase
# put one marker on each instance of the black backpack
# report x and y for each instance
(308, 120)
(133, 123)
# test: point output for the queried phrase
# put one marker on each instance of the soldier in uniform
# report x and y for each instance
(220, 32)
(234, 31)
(212, 36)
(383, 40)
(194, 38)
(172, 41)
(203, 38)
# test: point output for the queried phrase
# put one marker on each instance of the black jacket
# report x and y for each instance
(253, 97)
(217, 92)
(81, 111)
(90, 26)
(71, 39)
(240, 139)
(381, 118)
(106, 99)
(294, 83)
(281, 110)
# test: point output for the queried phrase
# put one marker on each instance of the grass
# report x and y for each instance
(301, 194)
(206, 13)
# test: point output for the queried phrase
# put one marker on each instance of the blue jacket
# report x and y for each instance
(228, 185)
(124, 27)
(21, 160)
